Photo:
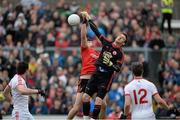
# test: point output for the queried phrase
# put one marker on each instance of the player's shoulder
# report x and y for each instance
(14, 78)
(129, 84)
(148, 82)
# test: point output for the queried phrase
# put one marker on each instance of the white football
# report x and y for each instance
(74, 19)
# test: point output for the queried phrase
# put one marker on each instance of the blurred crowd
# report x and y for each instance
(35, 25)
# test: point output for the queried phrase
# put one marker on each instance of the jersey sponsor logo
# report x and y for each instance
(114, 52)
(102, 69)
(107, 55)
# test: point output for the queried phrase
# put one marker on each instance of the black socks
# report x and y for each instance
(96, 111)
(86, 108)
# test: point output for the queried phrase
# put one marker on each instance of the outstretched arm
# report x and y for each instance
(127, 105)
(83, 36)
(6, 93)
(94, 28)
(159, 100)
(26, 91)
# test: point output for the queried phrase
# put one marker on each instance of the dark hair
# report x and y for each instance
(125, 34)
(137, 68)
(22, 67)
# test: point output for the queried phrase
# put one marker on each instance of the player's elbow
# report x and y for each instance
(161, 102)
(6, 91)
(127, 106)
(22, 91)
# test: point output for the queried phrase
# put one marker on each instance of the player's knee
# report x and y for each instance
(76, 108)
(98, 101)
(86, 98)
(103, 106)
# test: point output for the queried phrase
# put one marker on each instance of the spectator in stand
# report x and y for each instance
(56, 107)
(39, 107)
(156, 43)
(115, 114)
(115, 96)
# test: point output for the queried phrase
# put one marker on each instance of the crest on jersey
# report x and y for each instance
(114, 52)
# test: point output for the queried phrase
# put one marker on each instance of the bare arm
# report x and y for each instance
(83, 35)
(127, 105)
(26, 91)
(6, 93)
(159, 100)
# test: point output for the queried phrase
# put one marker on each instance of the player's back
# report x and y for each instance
(141, 92)
(20, 102)
(89, 57)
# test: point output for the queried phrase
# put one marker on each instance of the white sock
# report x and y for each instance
(92, 119)
(86, 117)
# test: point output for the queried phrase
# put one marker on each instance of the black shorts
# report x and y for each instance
(82, 85)
(100, 82)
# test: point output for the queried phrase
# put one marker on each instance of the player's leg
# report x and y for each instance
(21, 115)
(104, 84)
(86, 105)
(76, 107)
(15, 115)
(98, 101)
(91, 88)
(102, 114)
(78, 102)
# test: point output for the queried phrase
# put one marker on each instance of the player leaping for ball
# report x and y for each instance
(138, 94)
(17, 87)
(88, 57)
(109, 61)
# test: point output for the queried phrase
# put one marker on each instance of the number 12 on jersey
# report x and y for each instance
(142, 94)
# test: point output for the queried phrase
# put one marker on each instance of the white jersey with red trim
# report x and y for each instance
(20, 102)
(141, 92)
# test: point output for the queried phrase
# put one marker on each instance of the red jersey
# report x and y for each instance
(89, 57)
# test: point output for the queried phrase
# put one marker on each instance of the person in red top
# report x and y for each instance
(89, 56)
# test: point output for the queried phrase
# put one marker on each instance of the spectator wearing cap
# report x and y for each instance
(39, 107)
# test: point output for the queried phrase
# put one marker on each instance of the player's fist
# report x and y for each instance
(85, 15)
(123, 116)
(42, 93)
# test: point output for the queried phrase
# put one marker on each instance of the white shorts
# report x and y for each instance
(143, 117)
(21, 115)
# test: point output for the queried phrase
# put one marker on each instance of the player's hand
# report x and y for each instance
(42, 93)
(123, 116)
(85, 15)
(107, 61)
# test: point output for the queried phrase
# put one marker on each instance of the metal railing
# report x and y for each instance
(145, 51)
(153, 57)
